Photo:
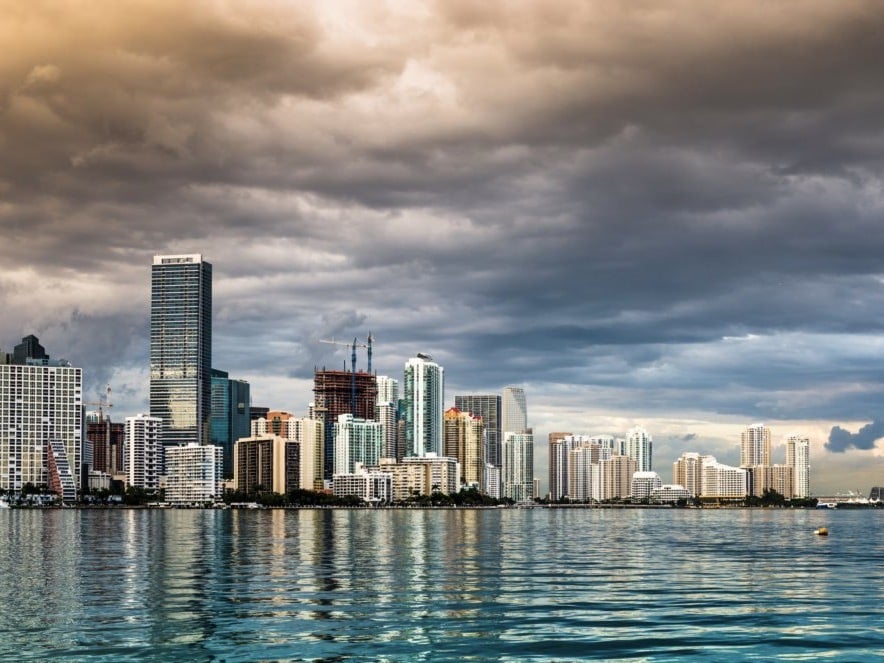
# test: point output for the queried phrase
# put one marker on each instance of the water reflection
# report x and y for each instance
(421, 585)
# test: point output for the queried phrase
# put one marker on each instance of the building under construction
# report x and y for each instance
(341, 392)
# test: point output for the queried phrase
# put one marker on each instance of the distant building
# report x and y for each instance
(723, 481)
(644, 484)
(194, 474)
(464, 440)
(421, 475)
(771, 477)
(266, 463)
(639, 447)
(755, 446)
(387, 412)
(144, 453)
(107, 439)
(341, 392)
(492, 482)
(230, 415)
(514, 411)
(486, 406)
(310, 434)
(357, 441)
(687, 471)
(559, 447)
(181, 347)
(798, 458)
(518, 466)
(615, 474)
(423, 392)
(41, 419)
(369, 486)
(670, 493)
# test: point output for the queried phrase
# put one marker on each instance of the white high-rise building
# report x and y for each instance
(723, 481)
(798, 458)
(386, 411)
(423, 392)
(640, 447)
(194, 473)
(41, 412)
(357, 441)
(514, 411)
(518, 466)
(755, 446)
(143, 453)
(388, 389)
(492, 481)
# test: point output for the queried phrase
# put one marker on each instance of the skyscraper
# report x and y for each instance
(514, 411)
(518, 466)
(486, 406)
(639, 447)
(463, 440)
(341, 392)
(181, 347)
(230, 416)
(423, 393)
(755, 446)
(144, 455)
(798, 458)
(387, 411)
(41, 415)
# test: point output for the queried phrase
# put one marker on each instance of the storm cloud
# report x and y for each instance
(639, 208)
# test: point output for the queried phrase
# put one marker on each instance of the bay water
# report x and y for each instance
(441, 585)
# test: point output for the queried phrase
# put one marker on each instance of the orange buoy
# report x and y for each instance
(822, 531)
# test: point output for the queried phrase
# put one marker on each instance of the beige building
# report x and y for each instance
(422, 475)
(616, 476)
(773, 477)
(755, 446)
(266, 462)
(687, 471)
(463, 437)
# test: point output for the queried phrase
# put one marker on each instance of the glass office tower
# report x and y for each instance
(181, 347)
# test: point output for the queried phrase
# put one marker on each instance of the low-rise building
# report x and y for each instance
(645, 483)
(369, 486)
(670, 493)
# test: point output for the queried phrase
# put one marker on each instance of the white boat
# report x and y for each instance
(4, 504)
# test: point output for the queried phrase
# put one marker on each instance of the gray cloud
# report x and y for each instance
(840, 440)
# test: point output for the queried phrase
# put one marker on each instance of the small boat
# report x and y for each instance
(4, 504)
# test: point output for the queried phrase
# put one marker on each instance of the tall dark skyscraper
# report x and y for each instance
(181, 347)
(230, 415)
(486, 406)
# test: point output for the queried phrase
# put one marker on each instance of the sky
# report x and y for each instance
(668, 214)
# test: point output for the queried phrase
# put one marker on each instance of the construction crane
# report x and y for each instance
(355, 344)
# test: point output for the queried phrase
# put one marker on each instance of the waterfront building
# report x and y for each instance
(771, 477)
(559, 448)
(518, 466)
(723, 481)
(181, 348)
(488, 407)
(143, 452)
(423, 393)
(580, 474)
(108, 439)
(644, 484)
(369, 486)
(41, 414)
(357, 441)
(615, 475)
(194, 473)
(798, 458)
(492, 481)
(387, 411)
(230, 414)
(687, 471)
(755, 446)
(422, 475)
(640, 447)
(670, 493)
(310, 435)
(341, 392)
(514, 411)
(464, 436)
(266, 463)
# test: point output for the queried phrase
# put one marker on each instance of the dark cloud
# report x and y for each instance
(840, 440)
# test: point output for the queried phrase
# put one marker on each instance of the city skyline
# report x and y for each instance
(665, 217)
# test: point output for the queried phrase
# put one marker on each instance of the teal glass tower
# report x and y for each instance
(181, 347)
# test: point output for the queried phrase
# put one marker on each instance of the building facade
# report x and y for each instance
(357, 441)
(40, 403)
(722, 481)
(486, 406)
(640, 447)
(755, 446)
(143, 453)
(423, 392)
(181, 348)
(514, 411)
(368, 486)
(230, 415)
(267, 463)
(798, 458)
(517, 473)
(194, 473)
(464, 440)
(644, 484)
(687, 471)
